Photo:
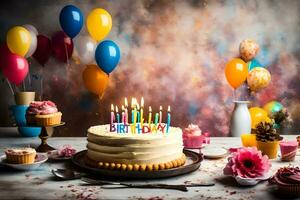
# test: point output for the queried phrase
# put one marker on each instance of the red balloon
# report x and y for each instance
(62, 46)
(15, 68)
(43, 49)
(4, 51)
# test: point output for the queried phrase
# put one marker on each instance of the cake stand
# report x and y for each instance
(46, 132)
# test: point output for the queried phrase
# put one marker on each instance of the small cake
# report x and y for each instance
(287, 180)
(288, 150)
(192, 136)
(20, 155)
(43, 113)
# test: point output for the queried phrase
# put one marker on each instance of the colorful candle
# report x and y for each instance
(156, 119)
(123, 115)
(118, 115)
(160, 114)
(134, 119)
(138, 113)
(132, 109)
(168, 118)
(142, 111)
(126, 111)
(150, 116)
(112, 114)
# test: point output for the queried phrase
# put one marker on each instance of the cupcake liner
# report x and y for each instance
(48, 120)
(20, 159)
(291, 190)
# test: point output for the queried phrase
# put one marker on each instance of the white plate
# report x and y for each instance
(53, 155)
(251, 181)
(214, 152)
(39, 159)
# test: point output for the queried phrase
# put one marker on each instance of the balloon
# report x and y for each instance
(258, 115)
(15, 68)
(273, 107)
(18, 40)
(84, 49)
(4, 51)
(258, 78)
(107, 55)
(62, 46)
(33, 35)
(43, 50)
(236, 72)
(71, 20)
(99, 23)
(94, 79)
(253, 64)
(248, 49)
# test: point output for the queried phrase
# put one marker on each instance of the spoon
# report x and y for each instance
(66, 174)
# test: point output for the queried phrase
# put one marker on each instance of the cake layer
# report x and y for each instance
(106, 146)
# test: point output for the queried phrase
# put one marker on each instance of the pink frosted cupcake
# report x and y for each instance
(288, 150)
(192, 137)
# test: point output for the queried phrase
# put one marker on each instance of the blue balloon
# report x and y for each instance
(253, 63)
(71, 20)
(107, 55)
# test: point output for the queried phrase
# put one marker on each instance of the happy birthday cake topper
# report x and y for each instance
(138, 124)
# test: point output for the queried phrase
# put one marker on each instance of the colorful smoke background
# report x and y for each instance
(173, 52)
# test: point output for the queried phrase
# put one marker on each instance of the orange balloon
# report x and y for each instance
(236, 72)
(95, 80)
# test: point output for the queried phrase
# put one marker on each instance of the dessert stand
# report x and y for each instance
(46, 132)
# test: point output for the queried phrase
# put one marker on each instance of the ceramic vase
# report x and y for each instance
(24, 98)
(240, 119)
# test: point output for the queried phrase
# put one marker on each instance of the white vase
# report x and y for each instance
(240, 119)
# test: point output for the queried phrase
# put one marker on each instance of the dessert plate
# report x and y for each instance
(214, 152)
(39, 159)
(193, 161)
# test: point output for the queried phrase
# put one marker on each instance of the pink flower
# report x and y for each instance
(66, 151)
(247, 162)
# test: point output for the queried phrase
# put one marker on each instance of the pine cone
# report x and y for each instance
(266, 132)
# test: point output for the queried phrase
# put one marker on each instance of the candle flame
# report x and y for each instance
(132, 102)
(117, 110)
(126, 103)
(169, 108)
(123, 108)
(142, 102)
(160, 108)
(137, 106)
(112, 107)
(150, 109)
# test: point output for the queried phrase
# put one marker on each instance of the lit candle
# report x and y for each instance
(138, 113)
(168, 118)
(123, 115)
(126, 111)
(142, 111)
(156, 119)
(150, 116)
(160, 114)
(118, 115)
(112, 114)
(134, 119)
(132, 109)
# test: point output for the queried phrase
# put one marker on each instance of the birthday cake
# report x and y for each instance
(135, 151)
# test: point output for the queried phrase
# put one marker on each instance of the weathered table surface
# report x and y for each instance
(40, 184)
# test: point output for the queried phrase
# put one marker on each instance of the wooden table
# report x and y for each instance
(40, 184)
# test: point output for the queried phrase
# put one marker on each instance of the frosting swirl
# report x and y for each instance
(192, 129)
(286, 176)
(42, 108)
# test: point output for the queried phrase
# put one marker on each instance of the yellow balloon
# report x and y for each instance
(95, 80)
(99, 23)
(258, 115)
(18, 40)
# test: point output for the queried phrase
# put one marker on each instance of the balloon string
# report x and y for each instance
(234, 95)
(68, 63)
(10, 87)
(42, 80)
(23, 84)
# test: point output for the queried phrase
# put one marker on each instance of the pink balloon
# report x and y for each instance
(62, 46)
(15, 68)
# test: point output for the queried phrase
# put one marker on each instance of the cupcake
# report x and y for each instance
(43, 113)
(20, 155)
(288, 150)
(192, 136)
(267, 139)
(287, 180)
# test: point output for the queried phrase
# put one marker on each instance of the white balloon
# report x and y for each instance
(84, 49)
(33, 34)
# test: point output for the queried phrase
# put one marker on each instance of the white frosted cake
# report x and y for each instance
(134, 151)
